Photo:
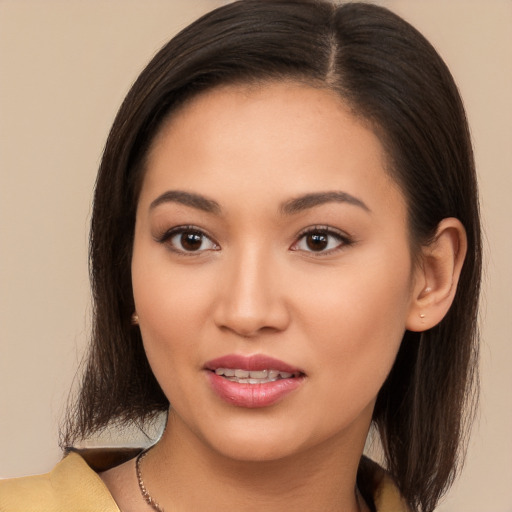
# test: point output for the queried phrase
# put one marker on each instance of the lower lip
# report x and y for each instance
(253, 395)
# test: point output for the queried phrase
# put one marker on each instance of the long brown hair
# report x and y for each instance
(389, 75)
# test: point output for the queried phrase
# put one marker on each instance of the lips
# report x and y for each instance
(251, 363)
(254, 381)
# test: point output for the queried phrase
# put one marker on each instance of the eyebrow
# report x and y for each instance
(188, 199)
(293, 206)
(307, 201)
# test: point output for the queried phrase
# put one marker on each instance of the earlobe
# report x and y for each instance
(437, 276)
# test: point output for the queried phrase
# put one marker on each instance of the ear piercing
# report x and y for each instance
(135, 319)
(428, 289)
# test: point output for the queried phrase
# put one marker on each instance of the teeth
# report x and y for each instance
(227, 372)
(253, 376)
(258, 375)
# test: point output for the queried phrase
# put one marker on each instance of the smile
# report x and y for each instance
(252, 381)
(254, 376)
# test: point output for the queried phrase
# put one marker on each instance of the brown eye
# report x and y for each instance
(317, 241)
(191, 241)
(185, 240)
(321, 240)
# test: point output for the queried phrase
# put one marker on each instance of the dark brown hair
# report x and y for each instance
(391, 77)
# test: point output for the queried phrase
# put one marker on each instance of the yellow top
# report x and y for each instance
(71, 486)
(74, 486)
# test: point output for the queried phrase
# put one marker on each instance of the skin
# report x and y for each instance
(253, 285)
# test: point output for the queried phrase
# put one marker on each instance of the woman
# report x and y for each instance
(285, 248)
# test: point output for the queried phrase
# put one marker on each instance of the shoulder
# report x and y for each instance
(384, 491)
(71, 485)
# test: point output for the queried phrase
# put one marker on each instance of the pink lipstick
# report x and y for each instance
(252, 381)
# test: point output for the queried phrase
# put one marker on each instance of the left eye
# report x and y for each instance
(319, 240)
(188, 240)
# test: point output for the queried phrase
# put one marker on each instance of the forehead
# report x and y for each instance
(268, 138)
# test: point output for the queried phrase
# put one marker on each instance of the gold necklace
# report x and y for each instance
(145, 494)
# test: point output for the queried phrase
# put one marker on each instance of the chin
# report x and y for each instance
(256, 450)
(256, 440)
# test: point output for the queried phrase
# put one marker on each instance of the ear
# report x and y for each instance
(437, 276)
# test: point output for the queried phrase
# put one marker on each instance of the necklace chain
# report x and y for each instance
(145, 494)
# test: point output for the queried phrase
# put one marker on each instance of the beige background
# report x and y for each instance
(65, 66)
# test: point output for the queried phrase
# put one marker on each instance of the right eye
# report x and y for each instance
(188, 240)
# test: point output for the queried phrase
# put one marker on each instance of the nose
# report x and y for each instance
(251, 296)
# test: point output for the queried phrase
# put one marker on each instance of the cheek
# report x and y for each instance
(165, 295)
(357, 320)
(168, 328)
(168, 304)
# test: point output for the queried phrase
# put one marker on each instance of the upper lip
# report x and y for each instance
(252, 363)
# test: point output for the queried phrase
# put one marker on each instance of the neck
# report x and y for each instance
(182, 473)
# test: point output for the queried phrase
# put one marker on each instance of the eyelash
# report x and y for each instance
(343, 239)
(167, 237)
(322, 231)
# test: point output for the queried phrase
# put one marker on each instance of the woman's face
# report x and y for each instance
(270, 242)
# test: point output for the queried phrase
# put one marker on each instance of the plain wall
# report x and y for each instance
(65, 66)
